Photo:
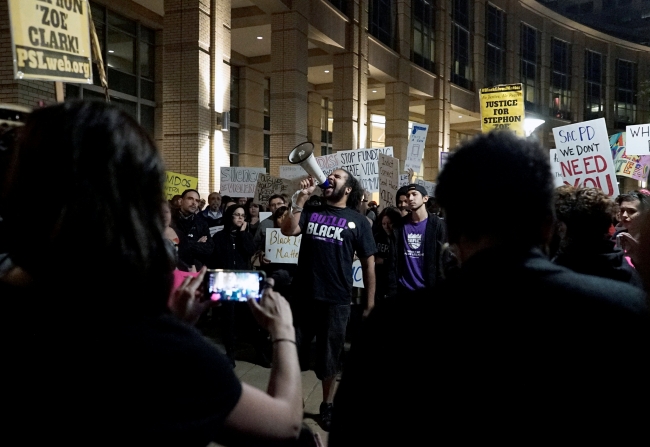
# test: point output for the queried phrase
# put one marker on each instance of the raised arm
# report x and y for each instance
(291, 227)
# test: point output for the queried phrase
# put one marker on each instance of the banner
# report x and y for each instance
(502, 107)
(280, 248)
(556, 170)
(51, 40)
(388, 180)
(292, 172)
(415, 149)
(585, 156)
(429, 186)
(638, 139)
(267, 185)
(636, 167)
(239, 182)
(176, 183)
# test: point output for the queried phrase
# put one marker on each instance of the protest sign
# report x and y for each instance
(267, 185)
(388, 180)
(585, 156)
(357, 274)
(265, 215)
(292, 172)
(636, 167)
(364, 165)
(51, 40)
(328, 163)
(415, 149)
(214, 230)
(558, 180)
(638, 139)
(239, 182)
(176, 183)
(403, 180)
(502, 107)
(280, 248)
(429, 186)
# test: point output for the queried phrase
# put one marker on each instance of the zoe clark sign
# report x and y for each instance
(51, 40)
(585, 156)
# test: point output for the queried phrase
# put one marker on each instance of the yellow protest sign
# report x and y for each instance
(502, 107)
(51, 40)
(177, 183)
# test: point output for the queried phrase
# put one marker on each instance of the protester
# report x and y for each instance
(402, 201)
(631, 206)
(252, 215)
(195, 246)
(584, 218)
(275, 201)
(90, 348)
(213, 212)
(523, 349)
(331, 235)
(386, 242)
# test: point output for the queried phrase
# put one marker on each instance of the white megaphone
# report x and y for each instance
(303, 155)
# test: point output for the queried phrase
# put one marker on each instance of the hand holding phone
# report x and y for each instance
(233, 285)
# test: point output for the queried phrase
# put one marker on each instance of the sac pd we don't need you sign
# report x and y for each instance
(51, 40)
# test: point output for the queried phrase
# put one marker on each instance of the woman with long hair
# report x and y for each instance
(252, 210)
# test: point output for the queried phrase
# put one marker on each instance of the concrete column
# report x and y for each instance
(194, 89)
(26, 93)
(251, 117)
(314, 120)
(289, 62)
(404, 28)
(350, 103)
(397, 115)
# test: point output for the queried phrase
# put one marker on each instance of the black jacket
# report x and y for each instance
(189, 231)
(232, 250)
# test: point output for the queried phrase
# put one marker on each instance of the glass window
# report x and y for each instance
(267, 104)
(121, 51)
(461, 73)
(267, 152)
(529, 64)
(377, 130)
(326, 125)
(423, 46)
(234, 94)
(381, 19)
(495, 55)
(594, 93)
(341, 5)
(625, 101)
(560, 79)
(234, 146)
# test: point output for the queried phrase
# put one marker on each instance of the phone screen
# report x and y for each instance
(233, 285)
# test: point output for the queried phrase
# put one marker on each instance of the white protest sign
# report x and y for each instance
(357, 274)
(363, 164)
(585, 156)
(637, 139)
(403, 180)
(267, 185)
(415, 149)
(215, 229)
(280, 248)
(292, 172)
(265, 215)
(429, 186)
(329, 163)
(555, 168)
(388, 180)
(239, 182)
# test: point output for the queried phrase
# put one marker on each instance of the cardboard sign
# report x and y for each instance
(638, 139)
(364, 165)
(429, 186)
(403, 180)
(239, 182)
(585, 157)
(51, 40)
(280, 248)
(357, 274)
(502, 107)
(267, 185)
(415, 149)
(558, 180)
(177, 183)
(388, 180)
(292, 172)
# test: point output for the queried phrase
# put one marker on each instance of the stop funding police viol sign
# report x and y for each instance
(51, 40)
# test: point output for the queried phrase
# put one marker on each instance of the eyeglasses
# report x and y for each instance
(239, 215)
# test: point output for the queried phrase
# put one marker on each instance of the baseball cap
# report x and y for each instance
(419, 188)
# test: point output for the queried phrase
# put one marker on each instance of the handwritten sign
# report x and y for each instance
(556, 170)
(415, 149)
(364, 165)
(388, 180)
(357, 274)
(638, 139)
(239, 182)
(429, 186)
(267, 185)
(502, 108)
(280, 248)
(292, 172)
(403, 180)
(176, 183)
(585, 156)
(51, 40)
(636, 167)
(329, 163)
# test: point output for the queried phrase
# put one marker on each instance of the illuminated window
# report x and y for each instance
(560, 79)
(594, 92)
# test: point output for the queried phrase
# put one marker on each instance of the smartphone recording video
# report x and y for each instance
(233, 285)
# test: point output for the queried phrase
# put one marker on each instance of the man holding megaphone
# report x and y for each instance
(331, 235)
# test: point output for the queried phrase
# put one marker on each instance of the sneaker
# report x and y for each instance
(326, 415)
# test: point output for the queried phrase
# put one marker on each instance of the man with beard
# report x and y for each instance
(331, 234)
(195, 244)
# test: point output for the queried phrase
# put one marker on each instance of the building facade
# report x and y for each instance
(241, 82)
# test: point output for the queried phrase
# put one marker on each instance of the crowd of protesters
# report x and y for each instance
(534, 320)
